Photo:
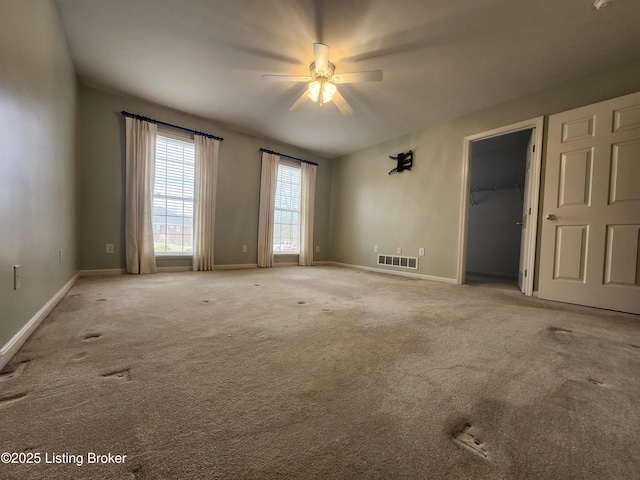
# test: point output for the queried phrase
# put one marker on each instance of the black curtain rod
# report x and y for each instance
(288, 156)
(158, 122)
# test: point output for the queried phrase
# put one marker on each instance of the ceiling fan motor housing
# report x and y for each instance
(318, 75)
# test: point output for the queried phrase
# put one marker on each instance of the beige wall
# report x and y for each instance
(102, 183)
(421, 208)
(38, 168)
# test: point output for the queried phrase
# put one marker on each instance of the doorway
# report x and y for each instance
(494, 227)
(501, 182)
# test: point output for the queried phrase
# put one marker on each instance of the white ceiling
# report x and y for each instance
(441, 58)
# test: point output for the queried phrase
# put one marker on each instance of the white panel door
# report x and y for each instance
(590, 241)
(526, 216)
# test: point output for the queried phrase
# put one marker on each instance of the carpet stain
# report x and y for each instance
(634, 346)
(206, 301)
(91, 336)
(119, 374)
(326, 309)
(469, 441)
(12, 398)
(594, 381)
(559, 329)
(135, 473)
(12, 369)
(301, 303)
(79, 356)
(101, 300)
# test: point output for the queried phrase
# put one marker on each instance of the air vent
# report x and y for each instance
(398, 261)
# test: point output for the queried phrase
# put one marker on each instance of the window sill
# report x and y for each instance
(171, 255)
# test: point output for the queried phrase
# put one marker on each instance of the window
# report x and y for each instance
(286, 225)
(173, 195)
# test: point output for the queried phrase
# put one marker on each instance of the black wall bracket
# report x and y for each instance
(404, 162)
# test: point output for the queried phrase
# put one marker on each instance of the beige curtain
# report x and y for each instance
(204, 208)
(268, 181)
(140, 169)
(307, 202)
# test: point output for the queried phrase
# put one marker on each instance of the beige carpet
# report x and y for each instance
(322, 372)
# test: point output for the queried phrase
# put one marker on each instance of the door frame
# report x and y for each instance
(534, 195)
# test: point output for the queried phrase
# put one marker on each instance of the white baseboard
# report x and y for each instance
(181, 268)
(235, 266)
(102, 271)
(11, 348)
(393, 272)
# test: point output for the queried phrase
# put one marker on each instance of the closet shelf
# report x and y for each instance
(474, 202)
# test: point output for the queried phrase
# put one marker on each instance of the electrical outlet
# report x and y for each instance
(317, 248)
(60, 255)
(399, 250)
(17, 274)
(109, 248)
(375, 249)
(244, 249)
(421, 252)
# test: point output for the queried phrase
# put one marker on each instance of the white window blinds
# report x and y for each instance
(173, 196)
(286, 227)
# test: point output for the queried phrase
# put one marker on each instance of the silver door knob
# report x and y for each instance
(550, 216)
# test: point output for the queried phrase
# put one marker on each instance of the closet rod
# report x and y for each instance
(474, 202)
(491, 189)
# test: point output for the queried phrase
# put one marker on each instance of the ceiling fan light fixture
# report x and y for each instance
(314, 90)
(328, 91)
(323, 91)
(321, 82)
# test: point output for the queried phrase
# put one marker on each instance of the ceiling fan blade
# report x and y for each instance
(321, 57)
(286, 78)
(299, 102)
(369, 76)
(342, 104)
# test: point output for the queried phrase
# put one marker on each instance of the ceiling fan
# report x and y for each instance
(322, 80)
